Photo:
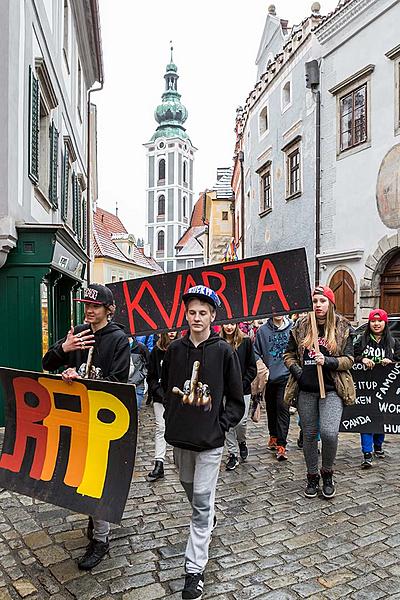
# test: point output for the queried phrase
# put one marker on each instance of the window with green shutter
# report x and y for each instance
(53, 135)
(34, 125)
(65, 185)
(76, 203)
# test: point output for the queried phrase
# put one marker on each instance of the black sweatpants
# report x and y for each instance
(277, 411)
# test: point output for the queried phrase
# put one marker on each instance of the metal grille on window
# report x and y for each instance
(34, 125)
(65, 185)
(53, 134)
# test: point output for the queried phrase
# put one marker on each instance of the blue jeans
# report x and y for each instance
(139, 395)
(368, 440)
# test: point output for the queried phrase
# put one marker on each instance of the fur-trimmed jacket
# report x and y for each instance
(340, 363)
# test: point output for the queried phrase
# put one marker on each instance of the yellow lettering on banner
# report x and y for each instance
(100, 436)
(77, 422)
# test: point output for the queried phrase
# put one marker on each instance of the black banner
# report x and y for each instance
(72, 445)
(248, 289)
(377, 407)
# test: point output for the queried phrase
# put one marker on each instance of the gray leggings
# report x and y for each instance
(323, 415)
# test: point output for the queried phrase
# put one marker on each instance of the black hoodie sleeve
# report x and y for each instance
(55, 357)
(153, 377)
(233, 391)
(119, 368)
(250, 370)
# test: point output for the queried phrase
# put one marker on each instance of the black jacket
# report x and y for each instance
(201, 427)
(154, 374)
(368, 347)
(139, 363)
(111, 353)
(248, 366)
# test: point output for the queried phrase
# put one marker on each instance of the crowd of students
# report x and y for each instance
(202, 385)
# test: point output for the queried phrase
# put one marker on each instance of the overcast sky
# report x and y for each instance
(215, 46)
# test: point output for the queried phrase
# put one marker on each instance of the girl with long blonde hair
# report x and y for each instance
(157, 395)
(335, 356)
(236, 437)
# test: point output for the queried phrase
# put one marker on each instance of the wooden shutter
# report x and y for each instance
(53, 134)
(344, 288)
(65, 185)
(34, 126)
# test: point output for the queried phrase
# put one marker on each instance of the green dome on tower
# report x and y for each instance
(171, 113)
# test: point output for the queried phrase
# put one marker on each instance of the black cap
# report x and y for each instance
(96, 293)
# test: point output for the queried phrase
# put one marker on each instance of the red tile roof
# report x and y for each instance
(105, 224)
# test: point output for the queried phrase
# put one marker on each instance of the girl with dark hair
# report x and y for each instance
(335, 356)
(243, 346)
(157, 395)
(375, 347)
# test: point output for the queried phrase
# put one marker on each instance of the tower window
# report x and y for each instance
(160, 241)
(184, 171)
(184, 206)
(161, 206)
(161, 171)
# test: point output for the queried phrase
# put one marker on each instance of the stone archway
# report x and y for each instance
(370, 285)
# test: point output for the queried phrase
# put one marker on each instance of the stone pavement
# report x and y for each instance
(270, 542)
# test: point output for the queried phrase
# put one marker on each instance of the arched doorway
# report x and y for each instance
(343, 286)
(390, 287)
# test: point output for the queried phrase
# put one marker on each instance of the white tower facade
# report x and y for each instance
(169, 187)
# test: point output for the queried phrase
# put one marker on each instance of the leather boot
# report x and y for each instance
(95, 551)
(157, 472)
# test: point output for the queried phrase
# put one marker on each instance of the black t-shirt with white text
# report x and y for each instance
(308, 381)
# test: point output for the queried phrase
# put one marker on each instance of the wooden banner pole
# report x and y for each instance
(314, 330)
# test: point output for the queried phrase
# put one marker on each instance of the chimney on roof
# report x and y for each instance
(116, 209)
(102, 217)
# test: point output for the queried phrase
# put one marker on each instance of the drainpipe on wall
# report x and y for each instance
(204, 219)
(312, 82)
(95, 12)
(242, 206)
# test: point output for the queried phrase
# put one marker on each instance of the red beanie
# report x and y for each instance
(378, 313)
(326, 291)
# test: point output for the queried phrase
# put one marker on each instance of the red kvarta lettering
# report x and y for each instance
(241, 268)
(220, 291)
(134, 305)
(28, 424)
(263, 287)
(190, 282)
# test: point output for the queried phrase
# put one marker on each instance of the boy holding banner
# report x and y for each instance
(97, 350)
(202, 383)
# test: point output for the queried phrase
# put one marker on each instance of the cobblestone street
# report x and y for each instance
(270, 542)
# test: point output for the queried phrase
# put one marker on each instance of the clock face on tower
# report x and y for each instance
(161, 145)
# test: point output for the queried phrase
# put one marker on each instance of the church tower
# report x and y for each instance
(169, 193)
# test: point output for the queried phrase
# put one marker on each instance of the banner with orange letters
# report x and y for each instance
(72, 445)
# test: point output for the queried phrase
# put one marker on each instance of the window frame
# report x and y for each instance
(160, 251)
(161, 180)
(293, 147)
(352, 93)
(263, 121)
(160, 215)
(343, 89)
(264, 172)
(394, 55)
(287, 105)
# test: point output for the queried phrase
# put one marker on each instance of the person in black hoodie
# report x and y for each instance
(156, 394)
(203, 390)
(243, 346)
(375, 347)
(110, 361)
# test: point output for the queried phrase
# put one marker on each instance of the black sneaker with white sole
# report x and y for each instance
(231, 463)
(193, 589)
(328, 487)
(312, 488)
(367, 461)
(379, 453)
(243, 451)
